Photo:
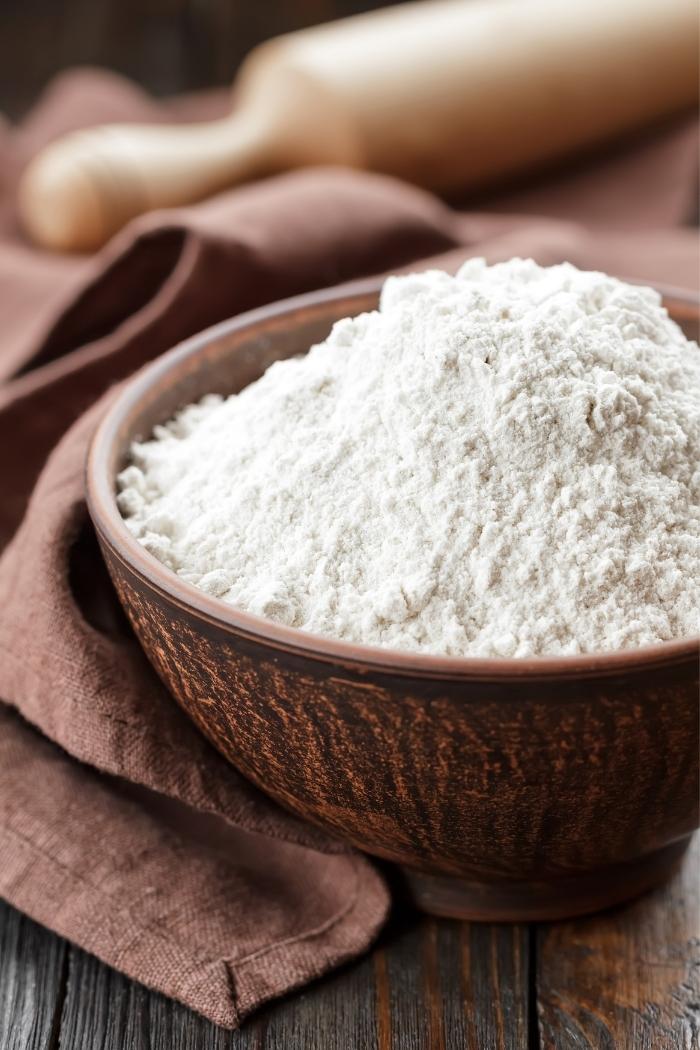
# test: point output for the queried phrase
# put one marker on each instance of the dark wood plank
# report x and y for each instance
(496, 978)
(458, 986)
(32, 978)
(428, 985)
(628, 979)
(97, 1006)
(105, 1011)
(333, 1014)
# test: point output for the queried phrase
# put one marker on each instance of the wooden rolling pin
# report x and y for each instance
(447, 94)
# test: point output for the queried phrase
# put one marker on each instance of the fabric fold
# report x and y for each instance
(182, 911)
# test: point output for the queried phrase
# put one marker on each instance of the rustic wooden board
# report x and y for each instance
(447, 986)
(429, 985)
(32, 983)
(628, 979)
(625, 980)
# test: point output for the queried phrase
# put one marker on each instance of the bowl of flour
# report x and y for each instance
(423, 560)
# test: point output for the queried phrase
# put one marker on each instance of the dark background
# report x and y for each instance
(166, 45)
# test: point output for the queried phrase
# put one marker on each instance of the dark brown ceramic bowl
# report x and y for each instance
(505, 789)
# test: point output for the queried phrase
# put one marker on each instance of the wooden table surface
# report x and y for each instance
(627, 979)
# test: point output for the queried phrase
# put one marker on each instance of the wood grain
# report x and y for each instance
(428, 985)
(412, 994)
(494, 963)
(106, 1010)
(32, 978)
(627, 979)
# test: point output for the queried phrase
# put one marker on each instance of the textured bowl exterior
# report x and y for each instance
(538, 788)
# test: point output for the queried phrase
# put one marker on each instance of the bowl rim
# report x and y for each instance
(113, 532)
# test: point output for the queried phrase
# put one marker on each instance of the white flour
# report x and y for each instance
(506, 462)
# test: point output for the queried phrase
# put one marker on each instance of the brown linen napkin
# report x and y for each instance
(120, 827)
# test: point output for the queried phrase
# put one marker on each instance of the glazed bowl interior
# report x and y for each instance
(228, 357)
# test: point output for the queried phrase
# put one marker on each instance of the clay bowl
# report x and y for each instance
(505, 789)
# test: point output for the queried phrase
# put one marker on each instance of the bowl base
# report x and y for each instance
(560, 897)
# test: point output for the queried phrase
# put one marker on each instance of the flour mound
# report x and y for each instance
(501, 463)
